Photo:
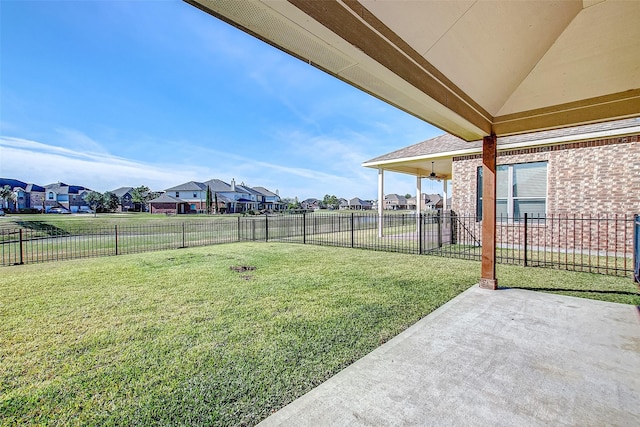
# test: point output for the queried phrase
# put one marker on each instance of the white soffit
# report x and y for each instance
(598, 54)
(283, 25)
(468, 67)
(487, 48)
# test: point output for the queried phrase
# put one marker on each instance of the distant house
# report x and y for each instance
(359, 204)
(311, 204)
(125, 196)
(166, 204)
(344, 204)
(26, 196)
(191, 197)
(268, 200)
(430, 202)
(192, 193)
(433, 202)
(69, 197)
(395, 202)
(252, 201)
(413, 205)
(236, 198)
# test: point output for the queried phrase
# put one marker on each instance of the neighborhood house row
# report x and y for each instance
(190, 197)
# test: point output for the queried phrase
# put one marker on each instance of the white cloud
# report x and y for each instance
(42, 164)
(77, 140)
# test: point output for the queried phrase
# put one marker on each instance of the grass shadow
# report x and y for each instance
(590, 291)
(47, 229)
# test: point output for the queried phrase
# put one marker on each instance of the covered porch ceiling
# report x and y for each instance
(469, 67)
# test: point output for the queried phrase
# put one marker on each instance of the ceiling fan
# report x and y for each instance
(433, 175)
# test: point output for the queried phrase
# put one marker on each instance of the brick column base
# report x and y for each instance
(489, 284)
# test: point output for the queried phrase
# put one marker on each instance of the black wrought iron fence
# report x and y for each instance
(599, 245)
(578, 243)
(636, 248)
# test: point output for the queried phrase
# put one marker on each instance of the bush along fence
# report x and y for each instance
(603, 245)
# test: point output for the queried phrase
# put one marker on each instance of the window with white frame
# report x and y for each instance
(520, 188)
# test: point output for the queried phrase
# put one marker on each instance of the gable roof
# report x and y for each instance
(188, 186)
(33, 188)
(62, 188)
(248, 190)
(356, 201)
(217, 186)
(13, 183)
(121, 191)
(434, 198)
(165, 198)
(265, 192)
(396, 197)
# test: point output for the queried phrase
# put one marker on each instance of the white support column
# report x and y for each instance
(380, 200)
(445, 195)
(418, 201)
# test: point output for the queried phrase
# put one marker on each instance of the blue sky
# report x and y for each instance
(124, 93)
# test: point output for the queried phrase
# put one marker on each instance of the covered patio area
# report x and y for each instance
(476, 69)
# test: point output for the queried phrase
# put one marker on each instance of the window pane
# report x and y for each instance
(501, 209)
(502, 181)
(530, 180)
(534, 208)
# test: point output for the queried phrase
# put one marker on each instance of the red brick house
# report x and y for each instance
(559, 178)
(166, 204)
(585, 170)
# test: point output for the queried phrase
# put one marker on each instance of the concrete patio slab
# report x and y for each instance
(491, 358)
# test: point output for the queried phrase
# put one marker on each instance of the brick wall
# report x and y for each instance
(585, 181)
(163, 208)
(591, 178)
(36, 200)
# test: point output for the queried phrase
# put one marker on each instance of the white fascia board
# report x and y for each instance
(572, 138)
(527, 144)
(441, 155)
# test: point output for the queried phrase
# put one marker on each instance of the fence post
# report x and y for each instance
(352, 230)
(266, 228)
(419, 233)
(454, 227)
(636, 248)
(183, 242)
(439, 219)
(238, 229)
(304, 227)
(116, 235)
(526, 220)
(21, 248)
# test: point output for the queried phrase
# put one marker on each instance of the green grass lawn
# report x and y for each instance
(179, 338)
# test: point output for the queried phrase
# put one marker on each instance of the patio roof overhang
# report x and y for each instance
(471, 68)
